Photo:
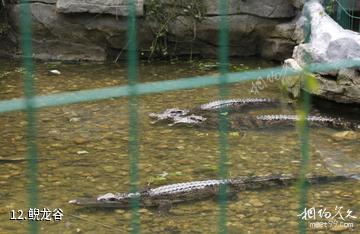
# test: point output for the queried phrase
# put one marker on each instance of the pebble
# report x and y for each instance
(346, 135)
(240, 216)
(110, 169)
(293, 223)
(80, 140)
(162, 146)
(143, 211)
(336, 192)
(127, 215)
(339, 228)
(45, 120)
(346, 195)
(274, 219)
(256, 202)
(180, 147)
(3, 210)
(74, 120)
(325, 193)
(80, 152)
(55, 72)
(119, 211)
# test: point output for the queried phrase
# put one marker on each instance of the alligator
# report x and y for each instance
(268, 121)
(198, 115)
(164, 196)
(235, 109)
(240, 104)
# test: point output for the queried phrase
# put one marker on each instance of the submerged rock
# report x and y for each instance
(346, 135)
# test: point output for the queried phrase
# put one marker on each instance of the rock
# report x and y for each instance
(325, 193)
(81, 152)
(113, 7)
(297, 3)
(274, 219)
(110, 169)
(73, 30)
(294, 206)
(264, 8)
(245, 39)
(292, 83)
(284, 31)
(339, 228)
(255, 202)
(55, 72)
(119, 211)
(277, 49)
(54, 36)
(336, 192)
(80, 140)
(345, 135)
(329, 42)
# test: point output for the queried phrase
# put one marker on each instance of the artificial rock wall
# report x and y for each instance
(94, 29)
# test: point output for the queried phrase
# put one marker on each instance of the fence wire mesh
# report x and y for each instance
(31, 103)
(345, 12)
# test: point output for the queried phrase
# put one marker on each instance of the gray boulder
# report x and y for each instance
(94, 29)
(329, 42)
(73, 37)
(298, 3)
(245, 39)
(279, 44)
(277, 48)
(113, 7)
(272, 9)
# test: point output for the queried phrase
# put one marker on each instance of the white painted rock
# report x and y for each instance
(55, 72)
(328, 40)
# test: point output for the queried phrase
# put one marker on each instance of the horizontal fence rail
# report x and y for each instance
(165, 86)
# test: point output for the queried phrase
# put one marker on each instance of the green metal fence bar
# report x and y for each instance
(29, 91)
(133, 114)
(304, 132)
(64, 98)
(223, 89)
(304, 145)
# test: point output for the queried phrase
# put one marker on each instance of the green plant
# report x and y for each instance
(4, 26)
(330, 6)
(161, 13)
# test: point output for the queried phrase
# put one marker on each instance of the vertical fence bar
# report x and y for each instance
(29, 91)
(133, 114)
(304, 134)
(352, 14)
(338, 14)
(223, 141)
(304, 144)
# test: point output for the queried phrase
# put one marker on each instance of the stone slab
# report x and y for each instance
(113, 7)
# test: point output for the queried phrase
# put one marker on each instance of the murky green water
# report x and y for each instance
(83, 152)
